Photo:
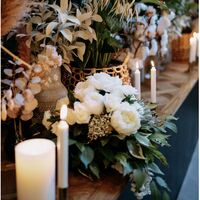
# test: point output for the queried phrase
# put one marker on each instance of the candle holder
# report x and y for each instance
(63, 194)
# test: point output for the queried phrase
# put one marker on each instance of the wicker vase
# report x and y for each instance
(77, 75)
(180, 48)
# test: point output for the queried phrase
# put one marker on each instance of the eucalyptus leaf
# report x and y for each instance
(162, 183)
(154, 168)
(80, 146)
(135, 149)
(94, 169)
(155, 193)
(142, 139)
(139, 178)
(171, 126)
(71, 141)
(87, 156)
(165, 196)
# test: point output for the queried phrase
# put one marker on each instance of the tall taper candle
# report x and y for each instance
(153, 83)
(193, 49)
(35, 170)
(62, 149)
(137, 81)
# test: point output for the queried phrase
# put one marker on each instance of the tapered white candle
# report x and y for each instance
(153, 83)
(196, 35)
(193, 49)
(62, 149)
(137, 81)
(35, 169)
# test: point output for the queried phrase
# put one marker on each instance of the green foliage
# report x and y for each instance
(87, 155)
(139, 178)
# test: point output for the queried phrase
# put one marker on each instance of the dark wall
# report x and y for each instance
(182, 147)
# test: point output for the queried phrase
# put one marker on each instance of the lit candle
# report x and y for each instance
(153, 83)
(193, 49)
(137, 81)
(35, 169)
(196, 35)
(62, 149)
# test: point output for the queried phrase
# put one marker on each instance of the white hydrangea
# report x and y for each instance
(126, 120)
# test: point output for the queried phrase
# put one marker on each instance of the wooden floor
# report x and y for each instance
(173, 85)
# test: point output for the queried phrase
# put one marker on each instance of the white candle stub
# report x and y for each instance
(62, 148)
(137, 81)
(35, 169)
(153, 83)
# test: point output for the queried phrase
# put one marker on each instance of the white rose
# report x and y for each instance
(103, 81)
(47, 115)
(94, 103)
(126, 120)
(83, 88)
(112, 102)
(82, 115)
(124, 90)
(62, 101)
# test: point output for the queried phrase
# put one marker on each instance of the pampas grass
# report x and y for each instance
(11, 12)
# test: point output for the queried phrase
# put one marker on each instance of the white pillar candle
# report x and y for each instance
(137, 81)
(193, 49)
(153, 83)
(35, 169)
(62, 149)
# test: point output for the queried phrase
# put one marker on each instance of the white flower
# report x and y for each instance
(83, 88)
(54, 128)
(62, 101)
(81, 112)
(71, 116)
(112, 102)
(103, 81)
(94, 103)
(26, 117)
(124, 90)
(46, 123)
(19, 99)
(126, 120)
(29, 106)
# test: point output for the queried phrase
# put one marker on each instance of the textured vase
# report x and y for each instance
(49, 95)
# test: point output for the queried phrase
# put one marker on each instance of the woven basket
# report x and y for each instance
(77, 75)
(180, 48)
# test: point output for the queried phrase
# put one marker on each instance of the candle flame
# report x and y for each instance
(152, 63)
(195, 35)
(63, 112)
(137, 65)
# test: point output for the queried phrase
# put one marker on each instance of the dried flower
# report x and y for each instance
(99, 126)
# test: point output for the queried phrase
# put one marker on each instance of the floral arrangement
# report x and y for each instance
(150, 32)
(110, 128)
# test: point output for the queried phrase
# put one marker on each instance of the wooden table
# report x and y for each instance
(174, 84)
